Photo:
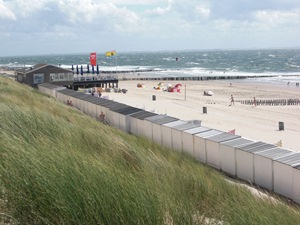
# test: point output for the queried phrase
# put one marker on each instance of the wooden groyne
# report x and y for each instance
(271, 102)
(184, 78)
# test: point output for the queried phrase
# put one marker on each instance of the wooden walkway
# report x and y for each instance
(271, 102)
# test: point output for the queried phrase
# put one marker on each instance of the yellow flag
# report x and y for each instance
(279, 143)
(110, 53)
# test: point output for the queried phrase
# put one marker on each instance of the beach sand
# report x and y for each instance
(259, 123)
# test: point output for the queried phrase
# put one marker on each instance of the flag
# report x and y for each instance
(110, 53)
(93, 59)
(231, 131)
(279, 143)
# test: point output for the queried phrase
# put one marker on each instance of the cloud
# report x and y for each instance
(5, 12)
(278, 18)
(147, 24)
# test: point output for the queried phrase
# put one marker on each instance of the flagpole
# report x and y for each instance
(116, 64)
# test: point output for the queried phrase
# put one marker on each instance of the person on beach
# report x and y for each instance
(254, 101)
(231, 100)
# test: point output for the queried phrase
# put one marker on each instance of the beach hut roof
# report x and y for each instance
(127, 110)
(223, 137)
(196, 130)
(175, 123)
(186, 126)
(237, 142)
(143, 115)
(274, 153)
(209, 133)
(291, 160)
(256, 146)
(161, 119)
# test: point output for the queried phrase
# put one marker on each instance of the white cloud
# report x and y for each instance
(5, 12)
(203, 10)
(276, 18)
(154, 22)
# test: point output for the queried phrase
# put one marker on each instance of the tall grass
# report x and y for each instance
(59, 166)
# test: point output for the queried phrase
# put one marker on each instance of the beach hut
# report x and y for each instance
(123, 116)
(177, 138)
(245, 159)
(112, 115)
(103, 107)
(296, 184)
(93, 104)
(188, 141)
(228, 154)
(284, 174)
(137, 122)
(213, 147)
(166, 131)
(263, 166)
(152, 126)
(66, 95)
(83, 102)
(200, 143)
(49, 89)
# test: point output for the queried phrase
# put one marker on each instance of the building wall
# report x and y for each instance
(48, 74)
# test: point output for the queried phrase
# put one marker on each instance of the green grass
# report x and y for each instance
(59, 166)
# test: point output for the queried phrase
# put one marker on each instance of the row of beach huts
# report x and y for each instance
(266, 165)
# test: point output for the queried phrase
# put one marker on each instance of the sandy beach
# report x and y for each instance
(260, 123)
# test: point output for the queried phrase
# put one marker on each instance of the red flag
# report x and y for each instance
(231, 131)
(93, 59)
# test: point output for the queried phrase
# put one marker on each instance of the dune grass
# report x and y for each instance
(59, 166)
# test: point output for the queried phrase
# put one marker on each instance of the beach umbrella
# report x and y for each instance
(81, 70)
(97, 69)
(88, 68)
(77, 70)
(93, 70)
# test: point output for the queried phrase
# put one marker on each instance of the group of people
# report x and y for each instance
(96, 94)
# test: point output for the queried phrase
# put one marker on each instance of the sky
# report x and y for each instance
(32, 27)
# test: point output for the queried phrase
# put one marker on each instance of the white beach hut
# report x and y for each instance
(112, 116)
(81, 102)
(296, 184)
(49, 89)
(263, 166)
(245, 159)
(147, 128)
(92, 106)
(177, 134)
(228, 154)
(153, 124)
(65, 95)
(284, 174)
(213, 147)
(123, 116)
(137, 122)
(188, 141)
(200, 144)
(166, 130)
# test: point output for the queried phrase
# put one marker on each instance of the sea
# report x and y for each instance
(277, 66)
